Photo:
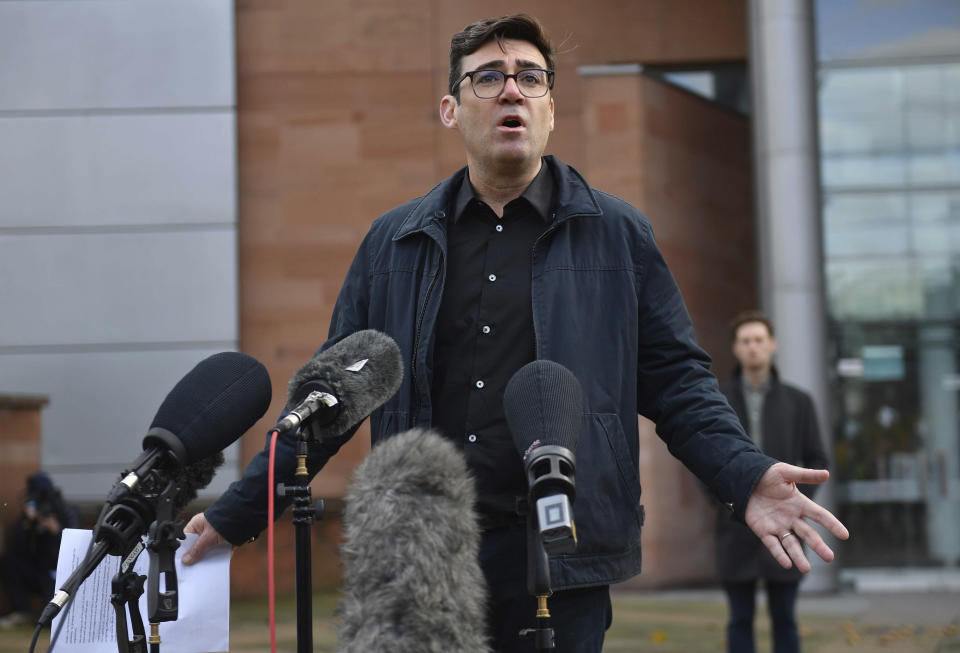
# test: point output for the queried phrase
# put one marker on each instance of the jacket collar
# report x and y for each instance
(738, 377)
(574, 198)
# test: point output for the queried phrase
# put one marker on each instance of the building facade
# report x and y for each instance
(889, 115)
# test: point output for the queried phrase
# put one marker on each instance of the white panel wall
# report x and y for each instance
(116, 54)
(117, 169)
(118, 261)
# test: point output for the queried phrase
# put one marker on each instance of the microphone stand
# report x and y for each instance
(303, 517)
(163, 541)
(126, 589)
(538, 584)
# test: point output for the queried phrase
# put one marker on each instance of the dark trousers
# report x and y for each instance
(579, 617)
(781, 603)
(20, 576)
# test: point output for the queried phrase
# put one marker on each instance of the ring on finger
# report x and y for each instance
(786, 535)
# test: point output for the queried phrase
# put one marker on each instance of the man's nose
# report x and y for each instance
(511, 91)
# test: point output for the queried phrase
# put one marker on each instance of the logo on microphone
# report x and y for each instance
(531, 448)
(356, 367)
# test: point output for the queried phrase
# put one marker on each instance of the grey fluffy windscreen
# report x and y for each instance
(544, 401)
(195, 477)
(412, 581)
(361, 388)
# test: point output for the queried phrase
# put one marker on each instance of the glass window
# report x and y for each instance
(854, 29)
(857, 225)
(861, 110)
(890, 148)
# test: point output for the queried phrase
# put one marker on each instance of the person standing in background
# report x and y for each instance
(782, 422)
(29, 563)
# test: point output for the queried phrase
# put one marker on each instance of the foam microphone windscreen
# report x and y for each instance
(362, 371)
(215, 403)
(193, 478)
(543, 403)
(412, 581)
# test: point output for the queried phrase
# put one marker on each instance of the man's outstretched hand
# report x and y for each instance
(208, 537)
(777, 512)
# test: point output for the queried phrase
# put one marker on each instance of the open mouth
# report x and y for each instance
(512, 123)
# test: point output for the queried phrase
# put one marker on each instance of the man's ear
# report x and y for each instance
(448, 112)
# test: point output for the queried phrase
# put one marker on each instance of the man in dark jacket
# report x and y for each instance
(512, 259)
(781, 421)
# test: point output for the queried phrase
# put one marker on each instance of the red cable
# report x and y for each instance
(270, 581)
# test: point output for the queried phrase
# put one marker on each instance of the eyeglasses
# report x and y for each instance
(489, 84)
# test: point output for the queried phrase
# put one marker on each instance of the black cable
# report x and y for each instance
(63, 617)
(36, 636)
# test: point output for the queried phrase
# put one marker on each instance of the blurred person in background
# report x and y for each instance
(29, 562)
(782, 422)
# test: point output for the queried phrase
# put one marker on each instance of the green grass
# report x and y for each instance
(647, 622)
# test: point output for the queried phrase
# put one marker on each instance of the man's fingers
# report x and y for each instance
(795, 474)
(194, 553)
(207, 538)
(791, 544)
(825, 518)
(812, 538)
(196, 524)
(777, 551)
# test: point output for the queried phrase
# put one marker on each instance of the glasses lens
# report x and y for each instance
(487, 83)
(533, 83)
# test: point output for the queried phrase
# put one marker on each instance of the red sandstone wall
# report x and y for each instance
(20, 450)
(686, 163)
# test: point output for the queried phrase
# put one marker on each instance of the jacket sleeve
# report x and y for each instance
(240, 514)
(679, 393)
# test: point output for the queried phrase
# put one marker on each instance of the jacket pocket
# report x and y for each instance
(607, 508)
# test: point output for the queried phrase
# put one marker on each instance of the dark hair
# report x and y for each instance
(471, 38)
(745, 317)
(44, 495)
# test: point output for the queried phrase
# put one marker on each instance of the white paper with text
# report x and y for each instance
(203, 592)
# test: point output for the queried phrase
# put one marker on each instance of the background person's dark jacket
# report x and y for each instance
(791, 434)
(605, 306)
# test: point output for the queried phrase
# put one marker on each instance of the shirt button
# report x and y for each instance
(480, 384)
(472, 437)
(485, 328)
(492, 277)
(499, 227)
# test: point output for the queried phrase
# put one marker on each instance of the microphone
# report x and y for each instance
(543, 404)
(412, 580)
(342, 385)
(221, 398)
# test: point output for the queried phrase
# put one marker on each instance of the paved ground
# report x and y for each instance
(675, 621)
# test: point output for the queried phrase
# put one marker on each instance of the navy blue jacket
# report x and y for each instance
(606, 307)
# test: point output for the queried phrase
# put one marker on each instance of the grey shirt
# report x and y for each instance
(753, 397)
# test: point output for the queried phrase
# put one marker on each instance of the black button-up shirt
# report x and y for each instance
(485, 332)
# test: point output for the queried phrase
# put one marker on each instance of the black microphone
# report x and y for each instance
(412, 580)
(543, 403)
(340, 386)
(221, 398)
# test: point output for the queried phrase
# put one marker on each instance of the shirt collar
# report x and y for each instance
(539, 194)
(748, 388)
